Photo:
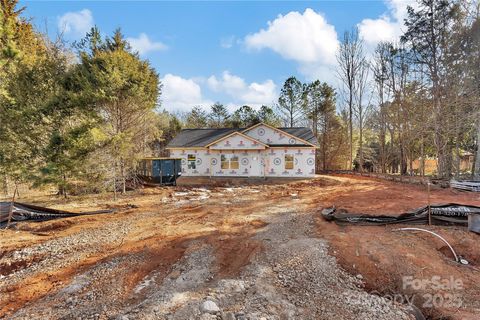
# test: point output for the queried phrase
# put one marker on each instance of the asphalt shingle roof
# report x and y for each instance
(303, 133)
(190, 138)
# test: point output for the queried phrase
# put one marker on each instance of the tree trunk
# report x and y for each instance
(10, 210)
(476, 171)
(291, 117)
(5, 185)
(422, 158)
(440, 145)
(403, 158)
(383, 160)
(457, 158)
(115, 182)
(64, 186)
(324, 151)
(411, 166)
(360, 152)
(392, 150)
(122, 175)
(350, 120)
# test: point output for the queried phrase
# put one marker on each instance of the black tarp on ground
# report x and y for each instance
(28, 212)
(441, 214)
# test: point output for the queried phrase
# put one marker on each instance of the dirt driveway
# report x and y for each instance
(256, 252)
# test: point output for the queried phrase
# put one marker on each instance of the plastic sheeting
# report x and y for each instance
(441, 214)
(28, 212)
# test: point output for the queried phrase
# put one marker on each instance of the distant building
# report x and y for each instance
(466, 164)
(258, 151)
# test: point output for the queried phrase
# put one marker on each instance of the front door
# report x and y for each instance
(256, 166)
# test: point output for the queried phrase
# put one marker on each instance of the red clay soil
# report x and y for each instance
(227, 222)
(383, 257)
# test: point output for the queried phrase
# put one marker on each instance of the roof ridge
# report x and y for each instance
(210, 128)
(293, 128)
(190, 137)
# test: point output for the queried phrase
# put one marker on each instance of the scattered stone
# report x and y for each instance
(209, 306)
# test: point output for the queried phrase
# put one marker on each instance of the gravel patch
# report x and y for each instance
(293, 277)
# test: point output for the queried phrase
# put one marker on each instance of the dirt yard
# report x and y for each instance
(254, 252)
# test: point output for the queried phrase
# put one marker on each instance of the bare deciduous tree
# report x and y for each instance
(350, 59)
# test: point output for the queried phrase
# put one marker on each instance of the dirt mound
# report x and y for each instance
(48, 226)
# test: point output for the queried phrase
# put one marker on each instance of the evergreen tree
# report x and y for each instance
(124, 90)
(290, 102)
(319, 106)
(267, 115)
(245, 116)
(218, 116)
(428, 34)
(196, 118)
(29, 67)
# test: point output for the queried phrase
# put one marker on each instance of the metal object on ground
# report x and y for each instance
(474, 223)
(28, 212)
(466, 185)
(440, 214)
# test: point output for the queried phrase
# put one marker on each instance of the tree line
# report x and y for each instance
(408, 101)
(418, 98)
(76, 117)
(80, 116)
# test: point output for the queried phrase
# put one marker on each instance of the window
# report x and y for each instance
(234, 162)
(289, 160)
(229, 162)
(224, 162)
(191, 161)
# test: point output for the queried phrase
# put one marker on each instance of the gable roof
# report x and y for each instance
(191, 138)
(241, 135)
(198, 138)
(302, 133)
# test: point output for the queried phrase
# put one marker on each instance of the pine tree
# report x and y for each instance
(244, 117)
(428, 35)
(291, 101)
(124, 90)
(196, 118)
(218, 116)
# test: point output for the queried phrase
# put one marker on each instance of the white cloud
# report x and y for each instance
(254, 94)
(387, 27)
(374, 31)
(306, 38)
(143, 44)
(180, 94)
(76, 24)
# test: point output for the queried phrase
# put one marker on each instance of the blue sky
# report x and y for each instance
(233, 52)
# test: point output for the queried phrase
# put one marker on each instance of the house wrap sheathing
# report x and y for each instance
(257, 151)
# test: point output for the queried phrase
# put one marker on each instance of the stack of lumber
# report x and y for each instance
(466, 185)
